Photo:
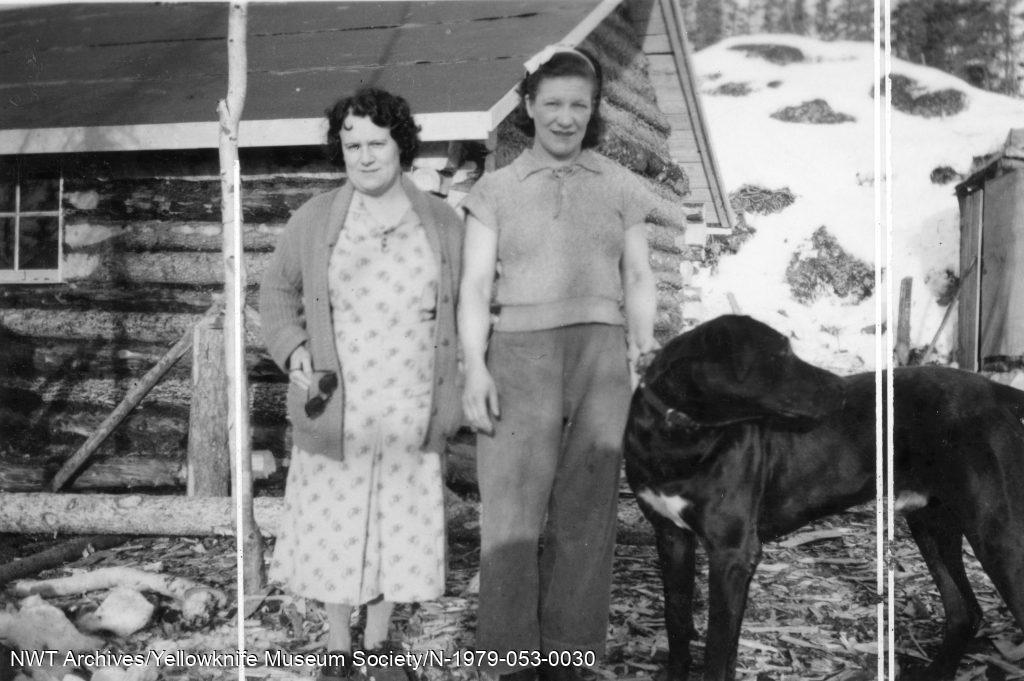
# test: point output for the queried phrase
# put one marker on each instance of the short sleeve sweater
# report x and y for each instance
(561, 235)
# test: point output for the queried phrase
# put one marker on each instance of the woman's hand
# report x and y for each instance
(480, 399)
(641, 353)
(300, 367)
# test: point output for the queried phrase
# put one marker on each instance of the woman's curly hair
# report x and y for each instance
(386, 111)
(563, 65)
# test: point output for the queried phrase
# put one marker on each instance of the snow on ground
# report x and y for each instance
(830, 169)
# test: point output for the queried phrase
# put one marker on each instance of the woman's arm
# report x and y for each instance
(480, 395)
(281, 302)
(640, 292)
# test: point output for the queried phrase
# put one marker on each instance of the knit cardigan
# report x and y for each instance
(295, 308)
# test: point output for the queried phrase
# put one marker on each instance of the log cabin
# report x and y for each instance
(110, 231)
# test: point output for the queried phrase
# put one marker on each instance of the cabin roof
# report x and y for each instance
(134, 76)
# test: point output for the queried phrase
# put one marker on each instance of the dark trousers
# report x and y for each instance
(551, 467)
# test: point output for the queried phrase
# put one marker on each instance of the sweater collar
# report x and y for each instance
(528, 163)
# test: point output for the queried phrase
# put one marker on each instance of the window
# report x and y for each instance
(31, 226)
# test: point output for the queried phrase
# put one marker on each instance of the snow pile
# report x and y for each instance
(829, 166)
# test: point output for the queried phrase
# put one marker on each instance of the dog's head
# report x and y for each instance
(735, 368)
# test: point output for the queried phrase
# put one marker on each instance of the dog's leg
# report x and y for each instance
(998, 541)
(941, 546)
(677, 554)
(729, 573)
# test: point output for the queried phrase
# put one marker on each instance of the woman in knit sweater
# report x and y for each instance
(358, 306)
(549, 388)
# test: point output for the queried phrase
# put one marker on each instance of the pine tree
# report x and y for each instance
(966, 38)
(823, 26)
(799, 18)
(709, 22)
(855, 20)
(730, 18)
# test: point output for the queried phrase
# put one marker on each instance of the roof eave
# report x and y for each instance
(435, 127)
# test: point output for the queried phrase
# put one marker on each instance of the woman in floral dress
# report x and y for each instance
(358, 307)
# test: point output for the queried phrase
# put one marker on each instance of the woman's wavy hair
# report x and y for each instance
(562, 65)
(386, 111)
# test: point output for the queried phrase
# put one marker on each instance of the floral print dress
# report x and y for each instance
(372, 523)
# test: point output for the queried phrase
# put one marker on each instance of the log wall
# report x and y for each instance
(142, 262)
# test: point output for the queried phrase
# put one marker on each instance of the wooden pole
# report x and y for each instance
(209, 458)
(902, 347)
(230, 115)
(949, 311)
(129, 402)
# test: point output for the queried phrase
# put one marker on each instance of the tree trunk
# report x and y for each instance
(42, 513)
(230, 112)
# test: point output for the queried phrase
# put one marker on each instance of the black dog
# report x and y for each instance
(734, 440)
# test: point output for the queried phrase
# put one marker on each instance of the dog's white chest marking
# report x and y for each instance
(910, 501)
(670, 506)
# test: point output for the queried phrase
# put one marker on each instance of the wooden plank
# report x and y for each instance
(656, 44)
(971, 216)
(682, 55)
(684, 150)
(209, 460)
(694, 170)
(1001, 323)
(679, 120)
(656, 22)
(663, 64)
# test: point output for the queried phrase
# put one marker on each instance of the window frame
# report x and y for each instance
(16, 275)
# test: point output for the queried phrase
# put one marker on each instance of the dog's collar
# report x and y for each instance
(673, 417)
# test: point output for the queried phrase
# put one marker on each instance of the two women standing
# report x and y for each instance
(362, 287)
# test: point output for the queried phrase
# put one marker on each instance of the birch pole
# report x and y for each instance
(230, 114)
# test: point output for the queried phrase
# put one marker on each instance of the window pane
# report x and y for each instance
(40, 194)
(7, 185)
(38, 244)
(6, 243)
